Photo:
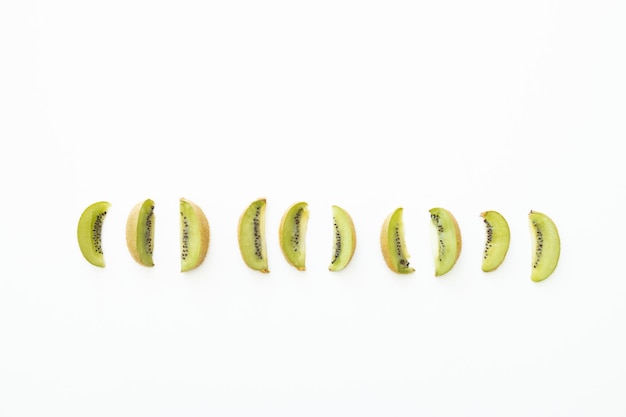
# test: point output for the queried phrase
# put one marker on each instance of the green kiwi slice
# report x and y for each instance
(292, 235)
(392, 243)
(496, 241)
(194, 235)
(251, 236)
(344, 239)
(140, 232)
(449, 241)
(546, 245)
(90, 232)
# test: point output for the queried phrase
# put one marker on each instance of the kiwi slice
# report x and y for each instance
(292, 234)
(392, 243)
(194, 235)
(496, 241)
(140, 232)
(546, 246)
(344, 239)
(448, 240)
(251, 236)
(90, 232)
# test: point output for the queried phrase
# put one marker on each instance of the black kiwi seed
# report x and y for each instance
(256, 222)
(295, 237)
(337, 242)
(403, 261)
(539, 244)
(439, 226)
(488, 243)
(185, 248)
(149, 230)
(97, 232)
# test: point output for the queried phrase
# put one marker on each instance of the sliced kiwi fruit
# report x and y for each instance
(140, 232)
(344, 239)
(392, 243)
(546, 246)
(292, 234)
(496, 241)
(251, 236)
(194, 235)
(90, 232)
(448, 240)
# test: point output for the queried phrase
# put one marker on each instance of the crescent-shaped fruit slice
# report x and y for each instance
(251, 236)
(90, 232)
(292, 235)
(448, 240)
(496, 241)
(344, 239)
(194, 235)
(546, 246)
(140, 232)
(392, 243)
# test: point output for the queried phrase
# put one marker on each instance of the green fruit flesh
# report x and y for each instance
(292, 233)
(344, 239)
(448, 240)
(393, 245)
(140, 232)
(194, 235)
(546, 246)
(89, 232)
(251, 236)
(496, 241)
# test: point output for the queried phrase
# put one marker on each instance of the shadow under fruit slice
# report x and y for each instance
(448, 240)
(90, 232)
(392, 243)
(546, 245)
(251, 236)
(140, 232)
(194, 235)
(497, 240)
(292, 235)
(344, 239)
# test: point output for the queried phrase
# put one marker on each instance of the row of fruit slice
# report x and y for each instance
(195, 237)
(546, 244)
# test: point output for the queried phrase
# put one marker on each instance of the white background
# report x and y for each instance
(370, 105)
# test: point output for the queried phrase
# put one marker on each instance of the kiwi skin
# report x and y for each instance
(498, 236)
(546, 245)
(89, 232)
(194, 235)
(251, 236)
(344, 239)
(292, 234)
(140, 232)
(392, 243)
